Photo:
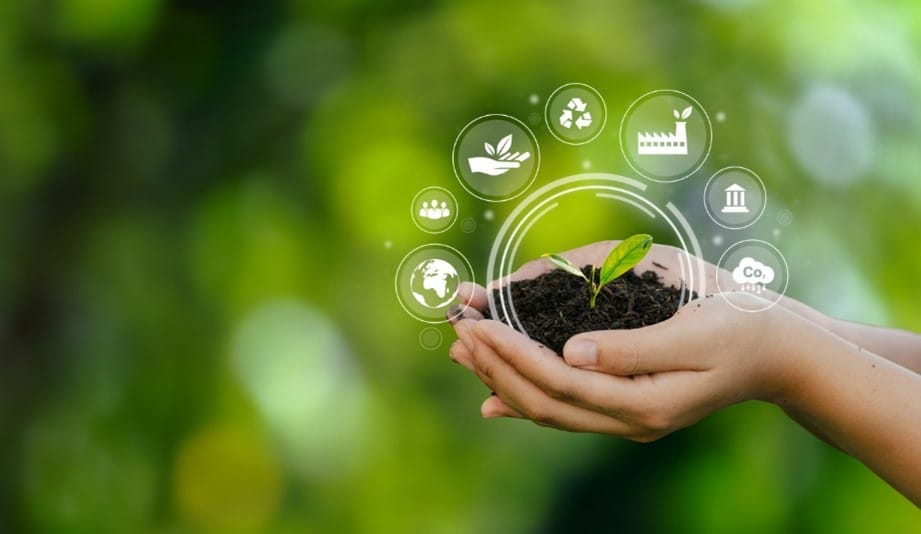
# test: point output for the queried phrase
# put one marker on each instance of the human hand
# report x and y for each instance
(641, 383)
(645, 383)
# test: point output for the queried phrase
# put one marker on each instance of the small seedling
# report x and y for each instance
(621, 259)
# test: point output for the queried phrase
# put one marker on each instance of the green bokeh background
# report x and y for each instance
(202, 205)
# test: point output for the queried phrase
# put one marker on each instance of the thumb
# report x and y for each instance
(629, 352)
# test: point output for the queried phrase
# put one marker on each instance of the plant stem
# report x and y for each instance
(595, 289)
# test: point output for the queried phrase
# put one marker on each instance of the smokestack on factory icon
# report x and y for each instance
(672, 143)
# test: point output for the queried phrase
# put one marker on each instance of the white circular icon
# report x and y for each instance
(575, 113)
(434, 283)
(427, 279)
(666, 135)
(496, 157)
(735, 197)
(434, 209)
(758, 275)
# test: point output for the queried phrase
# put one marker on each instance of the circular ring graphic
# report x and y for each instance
(430, 338)
(427, 278)
(740, 208)
(784, 217)
(434, 209)
(575, 113)
(662, 138)
(468, 225)
(540, 202)
(496, 157)
(758, 268)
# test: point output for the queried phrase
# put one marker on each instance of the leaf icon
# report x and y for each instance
(686, 113)
(489, 149)
(675, 112)
(504, 144)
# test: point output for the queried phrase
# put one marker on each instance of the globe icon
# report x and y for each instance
(433, 283)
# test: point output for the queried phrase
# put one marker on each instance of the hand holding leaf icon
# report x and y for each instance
(501, 161)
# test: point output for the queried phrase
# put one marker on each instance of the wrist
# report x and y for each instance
(809, 313)
(791, 348)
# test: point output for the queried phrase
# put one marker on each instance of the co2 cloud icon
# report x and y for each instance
(752, 275)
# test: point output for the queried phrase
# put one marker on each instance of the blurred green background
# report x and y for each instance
(202, 205)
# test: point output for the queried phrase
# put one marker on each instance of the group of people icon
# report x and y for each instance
(433, 211)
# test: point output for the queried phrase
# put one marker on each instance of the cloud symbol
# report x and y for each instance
(752, 271)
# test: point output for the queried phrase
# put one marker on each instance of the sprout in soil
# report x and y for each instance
(621, 259)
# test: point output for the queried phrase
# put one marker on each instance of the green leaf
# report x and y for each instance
(565, 264)
(628, 253)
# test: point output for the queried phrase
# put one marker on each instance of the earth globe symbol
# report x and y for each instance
(434, 283)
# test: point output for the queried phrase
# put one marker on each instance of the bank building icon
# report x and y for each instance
(666, 143)
(735, 199)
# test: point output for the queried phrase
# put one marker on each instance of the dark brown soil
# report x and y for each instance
(555, 306)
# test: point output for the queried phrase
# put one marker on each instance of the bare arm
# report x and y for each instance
(643, 384)
(898, 346)
(865, 404)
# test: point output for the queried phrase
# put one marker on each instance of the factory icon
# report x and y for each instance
(661, 143)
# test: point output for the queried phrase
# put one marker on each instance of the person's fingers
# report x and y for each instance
(531, 401)
(464, 335)
(460, 355)
(665, 346)
(494, 406)
(529, 270)
(459, 312)
(591, 254)
(473, 295)
(472, 303)
(614, 396)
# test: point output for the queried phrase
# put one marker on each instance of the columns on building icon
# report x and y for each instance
(735, 199)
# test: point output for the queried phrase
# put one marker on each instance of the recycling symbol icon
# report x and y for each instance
(576, 114)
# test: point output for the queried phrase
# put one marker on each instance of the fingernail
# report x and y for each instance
(581, 353)
(452, 353)
(463, 333)
(489, 412)
(455, 313)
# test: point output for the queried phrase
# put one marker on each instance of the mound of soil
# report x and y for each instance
(555, 306)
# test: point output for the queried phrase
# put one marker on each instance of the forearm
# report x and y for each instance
(868, 406)
(899, 346)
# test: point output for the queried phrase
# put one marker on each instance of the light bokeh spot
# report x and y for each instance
(295, 365)
(831, 136)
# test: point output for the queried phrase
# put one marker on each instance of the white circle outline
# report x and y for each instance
(786, 279)
(623, 149)
(412, 209)
(536, 197)
(396, 279)
(441, 337)
(735, 168)
(472, 221)
(457, 172)
(604, 106)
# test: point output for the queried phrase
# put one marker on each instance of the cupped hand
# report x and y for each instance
(640, 384)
